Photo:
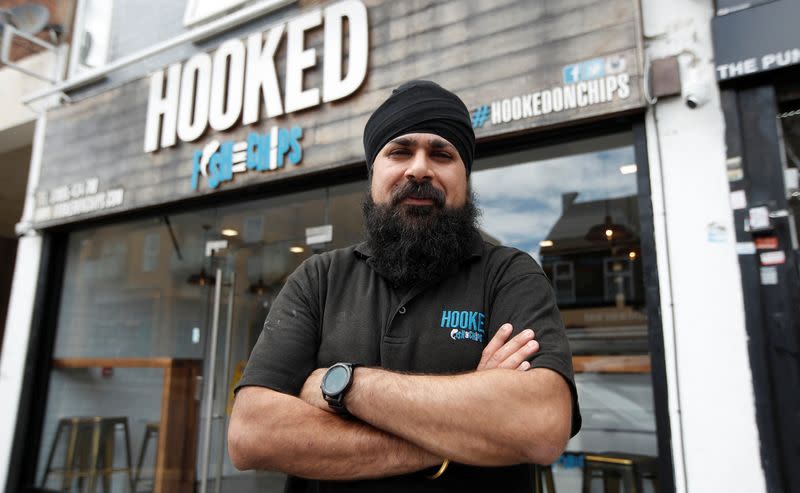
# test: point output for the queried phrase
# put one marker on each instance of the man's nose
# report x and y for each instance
(420, 167)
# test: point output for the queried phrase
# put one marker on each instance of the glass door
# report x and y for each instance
(259, 245)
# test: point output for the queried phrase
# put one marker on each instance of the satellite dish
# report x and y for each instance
(30, 18)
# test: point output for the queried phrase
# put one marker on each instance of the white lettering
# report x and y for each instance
(611, 86)
(217, 90)
(261, 78)
(496, 110)
(537, 103)
(516, 108)
(527, 107)
(547, 102)
(195, 93)
(558, 99)
(165, 106)
(594, 92)
(227, 84)
(298, 60)
(561, 98)
(583, 99)
(506, 110)
(623, 81)
(333, 85)
(570, 97)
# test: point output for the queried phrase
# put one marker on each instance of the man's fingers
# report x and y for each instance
(509, 348)
(520, 356)
(524, 366)
(496, 343)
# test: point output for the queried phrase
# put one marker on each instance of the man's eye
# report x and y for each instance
(399, 152)
(442, 155)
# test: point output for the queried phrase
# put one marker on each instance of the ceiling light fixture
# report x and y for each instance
(229, 232)
(546, 243)
(628, 169)
(297, 249)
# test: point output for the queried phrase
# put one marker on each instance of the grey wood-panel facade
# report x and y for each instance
(496, 54)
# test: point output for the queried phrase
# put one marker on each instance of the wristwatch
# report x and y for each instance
(335, 383)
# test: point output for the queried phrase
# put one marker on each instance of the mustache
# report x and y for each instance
(419, 190)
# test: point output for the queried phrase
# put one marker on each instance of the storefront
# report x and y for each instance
(174, 204)
(761, 100)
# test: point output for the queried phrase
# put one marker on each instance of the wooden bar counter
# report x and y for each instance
(639, 363)
(177, 433)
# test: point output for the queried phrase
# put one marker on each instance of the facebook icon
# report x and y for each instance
(572, 74)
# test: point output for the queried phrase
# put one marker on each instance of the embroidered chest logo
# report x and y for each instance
(464, 325)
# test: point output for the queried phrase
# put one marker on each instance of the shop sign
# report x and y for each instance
(757, 39)
(587, 83)
(229, 86)
(218, 162)
(76, 198)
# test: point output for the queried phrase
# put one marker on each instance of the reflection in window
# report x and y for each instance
(574, 209)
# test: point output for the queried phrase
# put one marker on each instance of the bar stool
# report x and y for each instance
(150, 431)
(89, 452)
(544, 474)
(612, 467)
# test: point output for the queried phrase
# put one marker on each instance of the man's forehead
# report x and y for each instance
(417, 139)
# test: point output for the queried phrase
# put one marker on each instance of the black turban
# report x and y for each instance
(421, 106)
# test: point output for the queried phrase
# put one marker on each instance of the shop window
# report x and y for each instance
(574, 208)
(92, 36)
(135, 327)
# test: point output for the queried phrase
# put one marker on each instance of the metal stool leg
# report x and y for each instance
(611, 483)
(629, 480)
(107, 456)
(587, 477)
(150, 431)
(52, 453)
(548, 479)
(69, 456)
(128, 454)
(537, 478)
(94, 456)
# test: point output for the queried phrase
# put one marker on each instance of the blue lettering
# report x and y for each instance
(473, 324)
(220, 166)
(445, 319)
(283, 145)
(196, 168)
(481, 319)
(463, 320)
(257, 151)
(296, 154)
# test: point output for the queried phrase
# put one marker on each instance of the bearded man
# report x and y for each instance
(423, 359)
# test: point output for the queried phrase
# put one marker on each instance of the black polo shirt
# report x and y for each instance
(336, 307)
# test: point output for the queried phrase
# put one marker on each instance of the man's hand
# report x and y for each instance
(311, 392)
(513, 354)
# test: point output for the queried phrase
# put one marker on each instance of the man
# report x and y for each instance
(455, 392)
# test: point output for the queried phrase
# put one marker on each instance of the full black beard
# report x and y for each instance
(414, 244)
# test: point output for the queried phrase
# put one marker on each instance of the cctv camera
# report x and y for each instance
(696, 93)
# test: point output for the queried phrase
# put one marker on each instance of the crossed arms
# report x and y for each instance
(503, 413)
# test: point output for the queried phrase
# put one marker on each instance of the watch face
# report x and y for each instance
(336, 380)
